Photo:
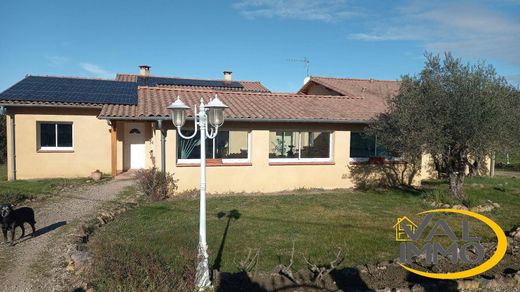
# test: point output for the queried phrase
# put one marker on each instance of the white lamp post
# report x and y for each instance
(213, 112)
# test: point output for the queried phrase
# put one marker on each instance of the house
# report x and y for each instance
(270, 141)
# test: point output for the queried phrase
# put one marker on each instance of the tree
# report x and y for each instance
(459, 113)
(3, 140)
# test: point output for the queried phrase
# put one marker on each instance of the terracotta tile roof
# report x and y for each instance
(365, 88)
(252, 106)
(254, 86)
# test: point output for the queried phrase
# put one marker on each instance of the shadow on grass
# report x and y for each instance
(231, 215)
(347, 279)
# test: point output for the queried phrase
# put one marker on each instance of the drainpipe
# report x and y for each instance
(163, 145)
(12, 173)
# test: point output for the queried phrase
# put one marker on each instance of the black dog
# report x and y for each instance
(12, 218)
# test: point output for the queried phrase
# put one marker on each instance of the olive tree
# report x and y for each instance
(458, 113)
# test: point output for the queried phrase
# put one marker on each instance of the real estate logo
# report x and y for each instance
(418, 239)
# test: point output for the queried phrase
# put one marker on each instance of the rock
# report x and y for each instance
(482, 208)
(467, 284)
(517, 235)
(500, 283)
(517, 278)
(496, 205)
(446, 206)
(460, 207)
(101, 220)
(70, 267)
(80, 258)
(401, 289)
(418, 288)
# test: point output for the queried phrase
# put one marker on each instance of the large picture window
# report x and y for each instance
(299, 146)
(363, 147)
(55, 136)
(231, 146)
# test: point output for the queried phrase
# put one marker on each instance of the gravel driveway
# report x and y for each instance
(18, 272)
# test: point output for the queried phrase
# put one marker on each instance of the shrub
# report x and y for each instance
(512, 166)
(155, 184)
(119, 266)
(14, 197)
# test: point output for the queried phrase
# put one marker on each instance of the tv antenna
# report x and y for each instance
(306, 63)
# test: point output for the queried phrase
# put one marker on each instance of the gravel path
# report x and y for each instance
(52, 216)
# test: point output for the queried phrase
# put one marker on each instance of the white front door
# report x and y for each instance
(135, 132)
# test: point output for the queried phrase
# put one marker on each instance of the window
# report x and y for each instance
(231, 146)
(363, 147)
(299, 146)
(55, 136)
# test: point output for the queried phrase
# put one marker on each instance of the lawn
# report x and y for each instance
(514, 158)
(360, 223)
(3, 172)
(20, 190)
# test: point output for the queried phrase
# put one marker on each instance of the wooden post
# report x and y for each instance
(113, 145)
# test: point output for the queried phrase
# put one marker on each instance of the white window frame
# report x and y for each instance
(56, 148)
(224, 160)
(304, 160)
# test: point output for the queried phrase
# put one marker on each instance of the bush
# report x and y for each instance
(156, 184)
(120, 267)
(512, 166)
(14, 197)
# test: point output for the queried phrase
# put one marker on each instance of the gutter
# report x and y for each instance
(163, 145)
(52, 105)
(12, 154)
(363, 122)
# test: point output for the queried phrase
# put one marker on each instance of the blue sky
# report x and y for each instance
(253, 38)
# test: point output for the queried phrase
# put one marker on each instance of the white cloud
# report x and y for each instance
(314, 10)
(471, 30)
(56, 61)
(96, 71)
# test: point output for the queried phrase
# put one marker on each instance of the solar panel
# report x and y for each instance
(72, 90)
(154, 81)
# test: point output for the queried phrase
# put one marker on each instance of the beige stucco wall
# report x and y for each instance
(262, 177)
(92, 151)
(315, 89)
(91, 139)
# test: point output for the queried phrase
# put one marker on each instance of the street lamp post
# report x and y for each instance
(212, 113)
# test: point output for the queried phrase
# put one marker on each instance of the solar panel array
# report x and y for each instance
(154, 81)
(72, 90)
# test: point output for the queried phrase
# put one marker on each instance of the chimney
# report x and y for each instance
(144, 70)
(228, 76)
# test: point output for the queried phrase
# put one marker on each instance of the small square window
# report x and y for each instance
(55, 136)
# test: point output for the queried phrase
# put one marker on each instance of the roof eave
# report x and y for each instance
(51, 105)
(250, 120)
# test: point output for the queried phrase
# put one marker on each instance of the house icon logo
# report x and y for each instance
(400, 233)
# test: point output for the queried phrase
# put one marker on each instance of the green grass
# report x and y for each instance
(3, 172)
(360, 223)
(514, 158)
(20, 190)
